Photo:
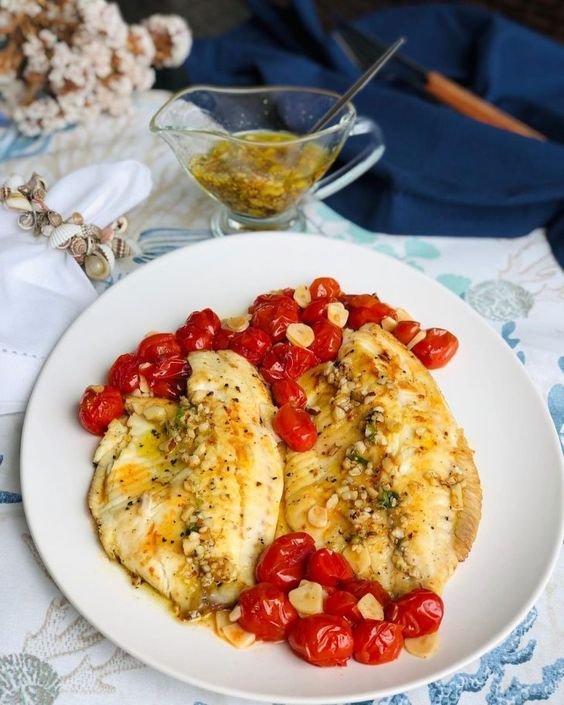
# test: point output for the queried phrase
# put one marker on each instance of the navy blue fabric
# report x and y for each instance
(442, 173)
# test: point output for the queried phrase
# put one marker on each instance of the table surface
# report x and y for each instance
(49, 653)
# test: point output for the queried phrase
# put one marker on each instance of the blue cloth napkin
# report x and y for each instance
(442, 173)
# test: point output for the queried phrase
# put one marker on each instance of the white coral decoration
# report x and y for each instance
(70, 61)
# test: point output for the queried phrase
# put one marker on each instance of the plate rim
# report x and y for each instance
(495, 640)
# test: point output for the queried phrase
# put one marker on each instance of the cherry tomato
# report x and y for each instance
(405, 331)
(360, 588)
(98, 406)
(295, 428)
(206, 319)
(266, 612)
(167, 377)
(286, 391)
(359, 315)
(328, 568)
(287, 361)
(316, 311)
(322, 639)
(377, 642)
(324, 288)
(124, 373)
(270, 297)
(158, 345)
(251, 344)
(418, 612)
(436, 348)
(342, 604)
(328, 339)
(360, 300)
(283, 562)
(275, 315)
(222, 339)
(192, 338)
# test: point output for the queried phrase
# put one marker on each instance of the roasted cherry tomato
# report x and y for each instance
(322, 639)
(158, 345)
(167, 377)
(316, 311)
(324, 288)
(295, 428)
(360, 300)
(222, 339)
(405, 331)
(283, 562)
(192, 338)
(328, 568)
(266, 612)
(377, 642)
(418, 612)
(436, 348)
(286, 391)
(206, 319)
(328, 339)
(287, 361)
(359, 315)
(251, 344)
(275, 315)
(343, 604)
(271, 296)
(124, 373)
(360, 588)
(98, 406)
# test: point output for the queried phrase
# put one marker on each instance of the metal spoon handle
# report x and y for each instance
(358, 85)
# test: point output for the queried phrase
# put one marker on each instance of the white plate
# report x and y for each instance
(505, 420)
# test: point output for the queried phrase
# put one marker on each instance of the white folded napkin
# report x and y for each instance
(41, 289)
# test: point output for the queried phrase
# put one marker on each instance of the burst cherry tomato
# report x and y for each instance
(98, 406)
(360, 300)
(324, 288)
(328, 568)
(266, 612)
(359, 315)
(343, 604)
(124, 373)
(275, 315)
(322, 639)
(251, 344)
(287, 361)
(158, 345)
(286, 391)
(360, 588)
(436, 348)
(418, 612)
(328, 339)
(283, 562)
(270, 297)
(316, 311)
(405, 331)
(206, 319)
(222, 339)
(192, 338)
(295, 428)
(167, 377)
(377, 642)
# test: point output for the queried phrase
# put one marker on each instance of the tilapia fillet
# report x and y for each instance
(391, 481)
(186, 496)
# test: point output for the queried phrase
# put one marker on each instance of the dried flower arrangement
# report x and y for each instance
(64, 62)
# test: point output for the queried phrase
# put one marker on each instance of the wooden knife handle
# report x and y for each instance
(465, 102)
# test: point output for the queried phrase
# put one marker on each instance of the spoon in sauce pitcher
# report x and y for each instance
(358, 85)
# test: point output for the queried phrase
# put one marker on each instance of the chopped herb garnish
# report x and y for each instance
(356, 458)
(388, 499)
(192, 528)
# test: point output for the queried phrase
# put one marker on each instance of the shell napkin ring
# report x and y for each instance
(95, 249)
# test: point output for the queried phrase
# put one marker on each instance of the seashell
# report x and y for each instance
(54, 218)
(91, 231)
(121, 248)
(76, 218)
(120, 224)
(46, 229)
(15, 181)
(26, 221)
(5, 191)
(107, 234)
(106, 250)
(18, 202)
(61, 235)
(97, 265)
(78, 246)
(38, 193)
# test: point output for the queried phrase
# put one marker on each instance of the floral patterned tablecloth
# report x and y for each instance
(50, 654)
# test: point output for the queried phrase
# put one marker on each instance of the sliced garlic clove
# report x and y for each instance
(299, 334)
(370, 608)
(417, 339)
(318, 517)
(388, 323)
(237, 324)
(302, 295)
(308, 598)
(423, 646)
(236, 635)
(337, 314)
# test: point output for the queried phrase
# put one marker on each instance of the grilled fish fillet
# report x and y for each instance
(391, 481)
(186, 496)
